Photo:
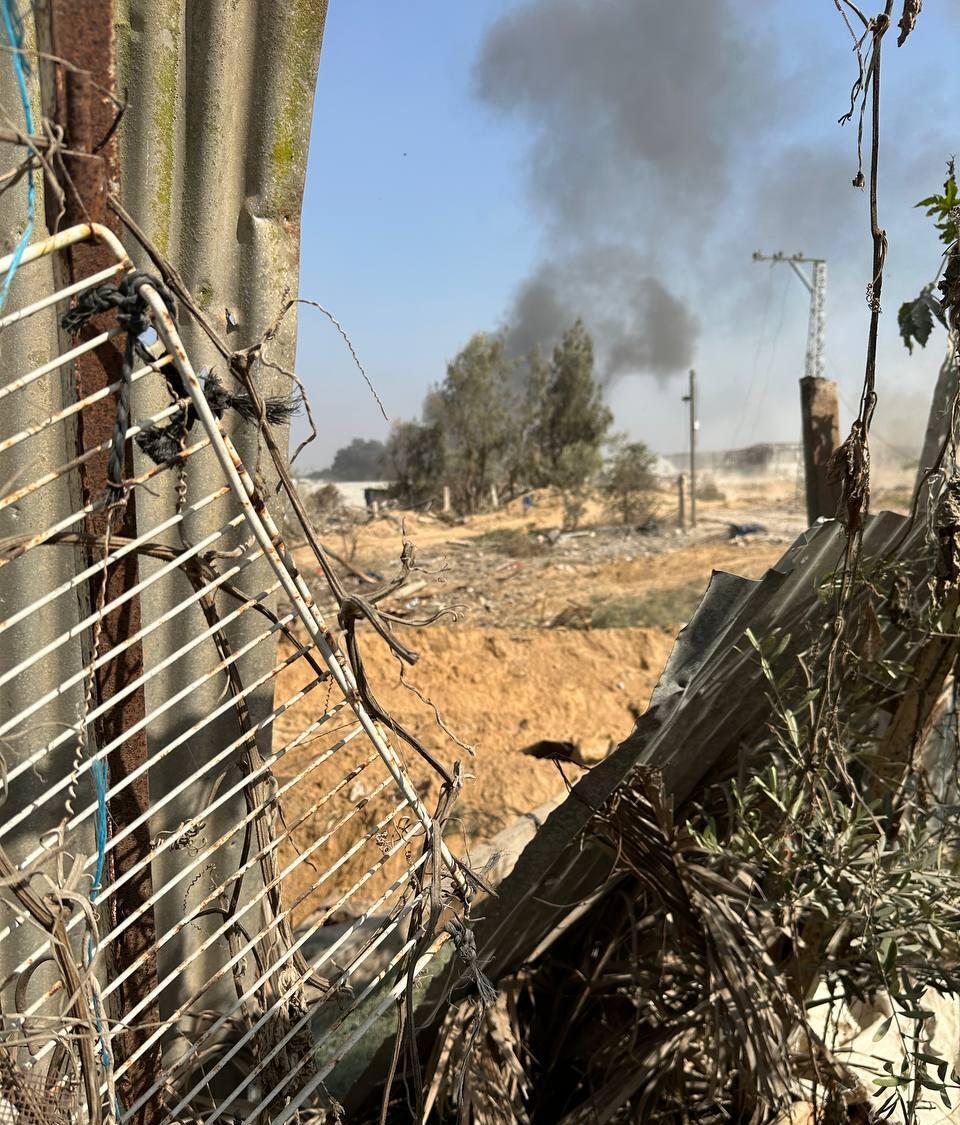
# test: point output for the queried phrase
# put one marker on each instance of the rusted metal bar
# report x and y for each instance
(79, 101)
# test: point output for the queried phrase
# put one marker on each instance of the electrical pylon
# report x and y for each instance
(816, 286)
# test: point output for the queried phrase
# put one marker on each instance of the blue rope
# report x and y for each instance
(104, 1053)
(99, 770)
(98, 767)
(13, 25)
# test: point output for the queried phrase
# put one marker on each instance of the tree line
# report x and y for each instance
(498, 422)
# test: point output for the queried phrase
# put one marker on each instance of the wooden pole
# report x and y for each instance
(691, 398)
(821, 436)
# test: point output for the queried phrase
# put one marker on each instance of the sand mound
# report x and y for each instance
(499, 691)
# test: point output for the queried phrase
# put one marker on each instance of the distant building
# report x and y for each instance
(766, 458)
(353, 493)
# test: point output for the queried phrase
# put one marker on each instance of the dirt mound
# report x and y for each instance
(499, 691)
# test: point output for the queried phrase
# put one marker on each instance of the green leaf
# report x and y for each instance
(891, 1080)
(929, 1083)
(792, 728)
(933, 1060)
(915, 319)
(882, 1029)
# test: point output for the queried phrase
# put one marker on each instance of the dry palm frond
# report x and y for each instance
(480, 1077)
(720, 1008)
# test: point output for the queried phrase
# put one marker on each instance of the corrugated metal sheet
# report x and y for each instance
(711, 699)
(21, 347)
(213, 158)
(213, 150)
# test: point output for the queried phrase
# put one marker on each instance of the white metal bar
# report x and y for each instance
(88, 509)
(61, 294)
(132, 685)
(81, 459)
(70, 237)
(81, 627)
(81, 404)
(224, 753)
(355, 1036)
(84, 575)
(254, 860)
(78, 630)
(58, 361)
(267, 543)
(102, 754)
(323, 957)
(132, 639)
(269, 538)
(220, 931)
(106, 657)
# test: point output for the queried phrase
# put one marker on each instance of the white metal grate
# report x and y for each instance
(202, 931)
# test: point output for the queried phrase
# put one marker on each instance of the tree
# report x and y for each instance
(573, 413)
(474, 411)
(362, 459)
(414, 457)
(575, 467)
(572, 421)
(629, 481)
(522, 455)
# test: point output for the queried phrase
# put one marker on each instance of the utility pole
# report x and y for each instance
(821, 436)
(820, 410)
(694, 426)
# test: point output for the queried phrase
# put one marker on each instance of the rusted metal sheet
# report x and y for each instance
(86, 109)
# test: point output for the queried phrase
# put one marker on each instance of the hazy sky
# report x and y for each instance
(512, 163)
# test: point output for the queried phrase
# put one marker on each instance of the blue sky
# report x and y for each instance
(422, 216)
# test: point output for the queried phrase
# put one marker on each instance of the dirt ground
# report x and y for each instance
(558, 637)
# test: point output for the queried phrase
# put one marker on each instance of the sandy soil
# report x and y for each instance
(501, 677)
(499, 692)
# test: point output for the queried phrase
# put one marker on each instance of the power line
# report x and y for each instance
(756, 360)
(772, 361)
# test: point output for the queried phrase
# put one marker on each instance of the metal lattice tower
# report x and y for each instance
(816, 286)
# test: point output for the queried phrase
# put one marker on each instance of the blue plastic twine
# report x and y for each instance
(13, 25)
(99, 770)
